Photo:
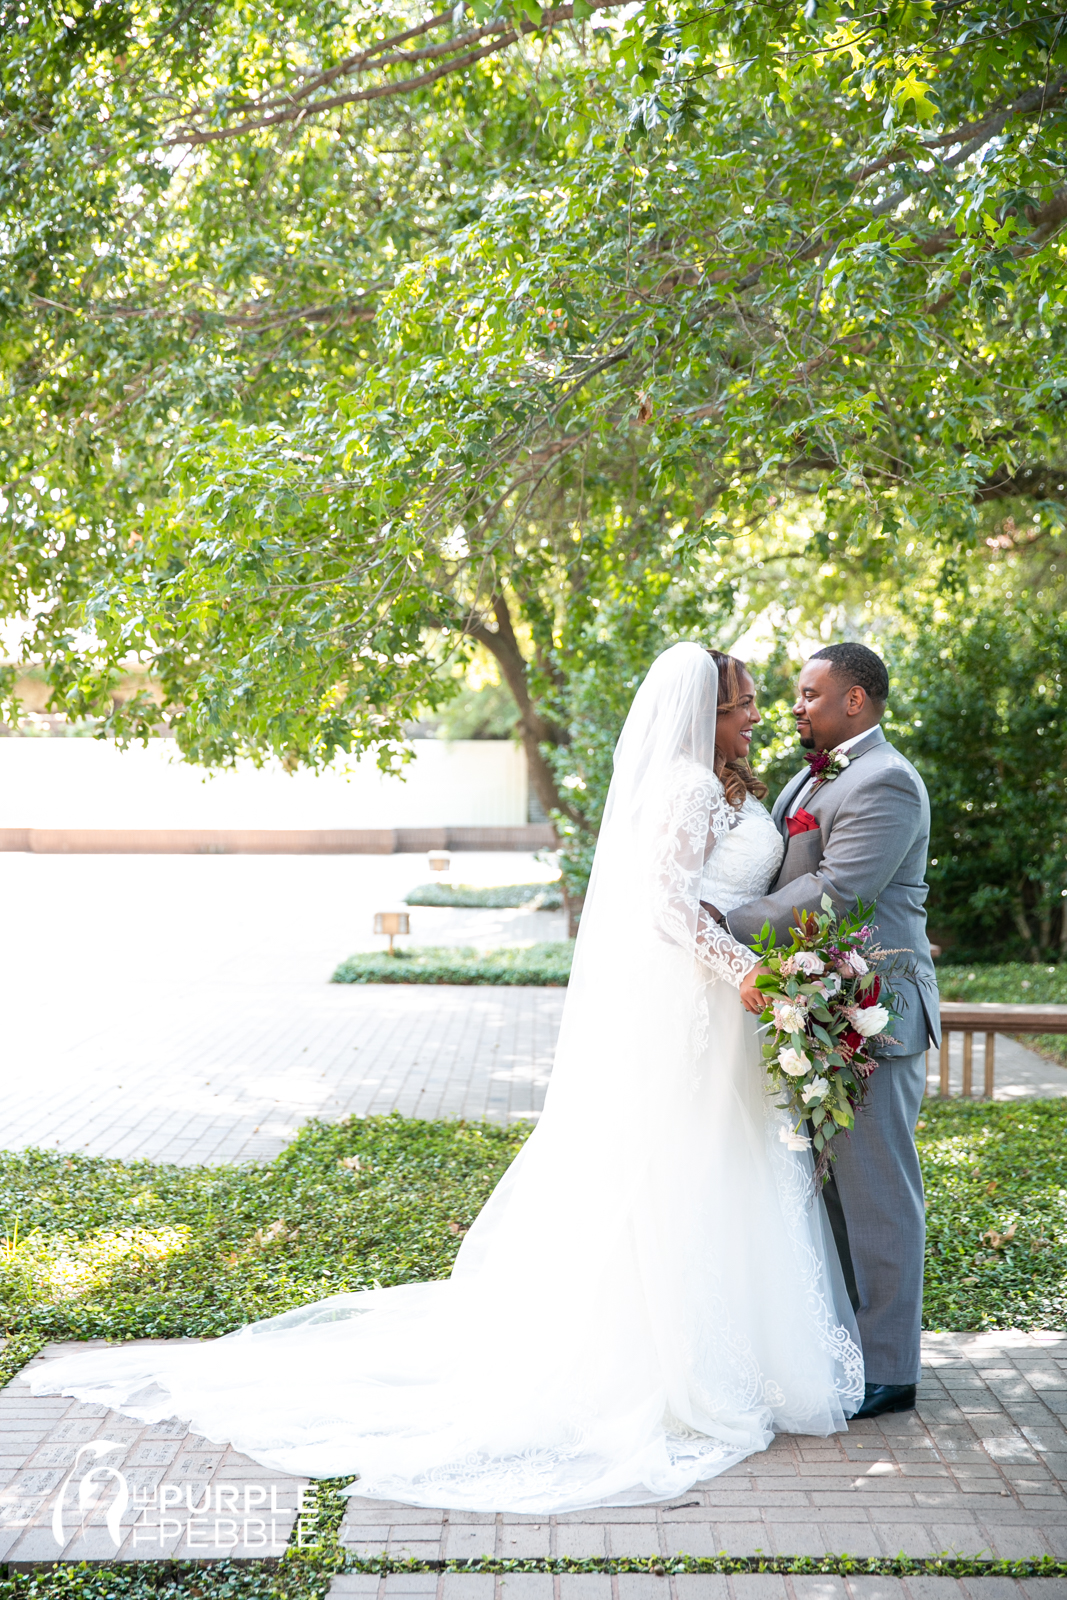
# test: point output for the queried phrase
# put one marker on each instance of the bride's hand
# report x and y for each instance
(753, 999)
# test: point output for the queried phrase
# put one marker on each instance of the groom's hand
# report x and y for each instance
(754, 999)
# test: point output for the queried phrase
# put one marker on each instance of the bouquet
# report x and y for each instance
(825, 1012)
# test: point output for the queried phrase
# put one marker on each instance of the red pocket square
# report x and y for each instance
(801, 822)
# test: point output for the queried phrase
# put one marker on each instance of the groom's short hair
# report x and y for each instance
(860, 666)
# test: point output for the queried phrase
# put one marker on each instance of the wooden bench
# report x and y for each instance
(990, 1018)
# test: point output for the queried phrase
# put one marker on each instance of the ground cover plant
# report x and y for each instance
(1012, 982)
(111, 1249)
(996, 1214)
(97, 1248)
(498, 897)
(169, 1580)
(546, 965)
(300, 1574)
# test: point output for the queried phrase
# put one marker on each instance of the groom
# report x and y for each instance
(860, 832)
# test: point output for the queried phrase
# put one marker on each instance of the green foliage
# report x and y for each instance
(308, 1573)
(108, 1249)
(980, 706)
(534, 896)
(289, 416)
(169, 1580)
(485, 713)
(996, 1214)
(547, 965)
(1011, 982)
(899, 1566)
(149, 296)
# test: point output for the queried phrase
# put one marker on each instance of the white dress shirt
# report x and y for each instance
(807, 789)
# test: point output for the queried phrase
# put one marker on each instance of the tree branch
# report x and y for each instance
(1038, 482)
(297, 109)
(972, 134)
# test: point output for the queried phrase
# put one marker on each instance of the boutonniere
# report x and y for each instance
(827, 765)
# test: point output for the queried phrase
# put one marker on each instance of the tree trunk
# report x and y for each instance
(535, 729)
(1044, 928)
(1021, 923)
(572, 905)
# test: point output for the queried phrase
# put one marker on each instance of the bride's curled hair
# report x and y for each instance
(736, 777)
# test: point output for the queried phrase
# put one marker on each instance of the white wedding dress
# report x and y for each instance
(649, 1294)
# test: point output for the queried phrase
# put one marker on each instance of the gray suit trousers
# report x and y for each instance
(878, 1216)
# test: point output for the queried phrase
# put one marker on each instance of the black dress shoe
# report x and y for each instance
(878, 1398)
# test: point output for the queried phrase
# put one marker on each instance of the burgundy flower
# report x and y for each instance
(871, 997)
(825, 765)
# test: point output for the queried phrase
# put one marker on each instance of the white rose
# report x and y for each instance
(789, 1016)
(870, 1020)
(856, 964)
(814, 1090)
(843, 761)
(795, 1062)
(808, 961)
(794, 1140)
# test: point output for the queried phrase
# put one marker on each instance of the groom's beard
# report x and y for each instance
(807, 743)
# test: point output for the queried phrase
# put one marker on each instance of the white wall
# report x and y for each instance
(87, 783)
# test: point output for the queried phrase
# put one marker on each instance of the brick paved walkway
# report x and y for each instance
(179, 1008)
(980, 1469)
(178, 1496)
(235, 1081)
(980, 1466)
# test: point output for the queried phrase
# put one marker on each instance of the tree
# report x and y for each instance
(980, 707)
(334, 346)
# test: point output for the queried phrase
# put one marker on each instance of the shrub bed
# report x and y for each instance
(538, 964)
(501, 897)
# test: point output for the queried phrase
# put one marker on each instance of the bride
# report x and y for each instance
(649, 1294)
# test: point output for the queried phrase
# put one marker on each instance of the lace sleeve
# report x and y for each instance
(720, 951)
(699, 815)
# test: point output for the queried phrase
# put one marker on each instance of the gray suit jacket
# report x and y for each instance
(871, 843)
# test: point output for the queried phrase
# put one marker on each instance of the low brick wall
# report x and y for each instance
(265, 841)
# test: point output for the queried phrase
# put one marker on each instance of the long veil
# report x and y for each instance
(648, 1294)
